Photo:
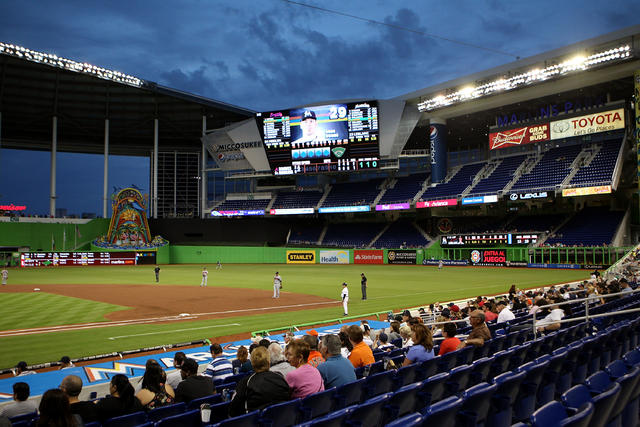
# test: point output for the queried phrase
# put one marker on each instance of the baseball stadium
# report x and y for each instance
(513, 187)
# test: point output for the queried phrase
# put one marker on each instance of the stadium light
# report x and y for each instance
(70, 65)
(574, 64)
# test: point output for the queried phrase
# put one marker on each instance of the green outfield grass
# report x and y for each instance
(390, 287)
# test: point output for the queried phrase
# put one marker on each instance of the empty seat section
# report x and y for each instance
(551, 170)
(351, 235)
(405, 189)
(500, 177)
(401, 233)
(600, 169)
(592, 226)
(456, 185)
(297, 199)
(353, 193)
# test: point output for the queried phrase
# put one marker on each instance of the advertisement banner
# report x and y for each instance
(519, 136)
(293, 211)
(334, 257)
(342, 209)
(252, 212)
(527, 196)
(301, 257)
(227, 153)
(454, 262)
(402, 256)
(586, 191)
(368, 256)
(437, 203)
(560, 266)
(393, 207)
(480, 199)
(491, 257)
(586, 125)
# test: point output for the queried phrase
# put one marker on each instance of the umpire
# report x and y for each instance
(363, 285)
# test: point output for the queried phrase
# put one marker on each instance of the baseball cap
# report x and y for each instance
(308, 114)
(313, 332)
(344, 283)
(406, 313)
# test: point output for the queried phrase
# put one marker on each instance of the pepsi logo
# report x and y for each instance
(434, 132)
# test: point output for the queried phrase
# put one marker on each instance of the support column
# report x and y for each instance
(105, 176)
(154, 196)
(52, 177)
(438, 140)
(203, 173)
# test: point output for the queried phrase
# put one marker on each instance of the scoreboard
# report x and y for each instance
(489, 239)
(321, 139)
(55, 259)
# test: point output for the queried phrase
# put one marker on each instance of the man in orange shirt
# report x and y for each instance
(315, 357)
(361, 355)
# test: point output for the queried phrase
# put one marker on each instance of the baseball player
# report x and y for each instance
(440, 264)
(345, 298)
(363, 285)
(205, 275)
(5, 276)
(219, 265)
(157, 271)
(277, 285)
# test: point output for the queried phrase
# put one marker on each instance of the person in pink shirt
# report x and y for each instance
(305, 379)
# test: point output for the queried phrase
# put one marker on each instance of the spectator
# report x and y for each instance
(55, 411)
(174, 378)
(450, 342)
(405, 334)
(306, 379)
(71, 385)
(264, 342)
(22, 369)
(346, 346)
(277, 360)
(489, 312)
(65, 362)
(220, 367)
(242, 362)
(504, 313)
(149, 363)
(336, 370)
(288, 337)
(394, 331)
(406, 315)
(551, 321)
(155, 392)
(192, 386)
(480, 332)
(21, 405)
(120, 401)
(315, 358)
(382, 342)
(361, 354)
(624, 285)
(422, 349)
(260, 389)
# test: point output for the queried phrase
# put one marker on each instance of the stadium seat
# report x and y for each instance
(554, 413)
(476, 405)
(411, 420)
(334, 419)
(443, 413)
(24, 417)
(350, 394)
(281, 414)
(448, 361)
(480, 371)
(429, 368)
(211, 400)
(188, 418)
(603, 402)
(407, 375)
(219, 411)
(458, 380)
(527, 397)
(632, 357)
(508, 386)
(465, 356)
(405, 400)
(627, 403)
(370, 413)
(500, 363)
(127, 420)
(318, 404)
(156, 414)
(380, 383)
(434, 388)
(248, 420)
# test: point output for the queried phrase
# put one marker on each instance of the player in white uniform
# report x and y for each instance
(219, 265)
(205, 275)
(277, 284)
(345, 298)
(5, 276)
(440, 264)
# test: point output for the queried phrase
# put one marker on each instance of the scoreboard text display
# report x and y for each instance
(489, 239)
(321, 138)
(55, 259)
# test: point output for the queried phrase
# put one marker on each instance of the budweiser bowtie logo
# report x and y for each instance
(512, 137)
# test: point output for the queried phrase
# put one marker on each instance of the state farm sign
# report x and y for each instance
(368, 257)
(519, 136)
(586, 125)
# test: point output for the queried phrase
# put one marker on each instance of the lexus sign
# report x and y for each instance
(526, 196)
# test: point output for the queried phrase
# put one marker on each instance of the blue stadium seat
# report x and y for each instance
(157, 414)
(627, 403)
(211, 400)
(405, 400)
(555, 414)
(281, 414)
(433, 388)
(189, 418)
(632, 357)
(318, 404)
(408, 374)
(333, 419)
(443, 413)
(247, 420)
(411, 420)
(370, 413)
(350, 394)
(458, 379)
(465, 355)
(429, 368)
(379, 383)
(447, 361)
(508, 386)
(480, 371)
(500, 363)
(527, 397)
(127, 420)
(603, 402)
(476, 405)
(24, 417)
(219, 411)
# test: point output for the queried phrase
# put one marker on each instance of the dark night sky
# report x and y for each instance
(271, 54)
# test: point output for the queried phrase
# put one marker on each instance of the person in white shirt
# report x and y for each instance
(205, 275)
(5, 276)
(345, 298)
(277, 284)
(551, 321)
(504, 313)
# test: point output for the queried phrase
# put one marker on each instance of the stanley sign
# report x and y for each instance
(301, 257)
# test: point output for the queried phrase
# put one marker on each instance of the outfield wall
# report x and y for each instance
(41, 236)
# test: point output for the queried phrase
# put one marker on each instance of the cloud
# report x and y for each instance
(195, 81)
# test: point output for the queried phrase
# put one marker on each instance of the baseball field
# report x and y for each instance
(83, 311)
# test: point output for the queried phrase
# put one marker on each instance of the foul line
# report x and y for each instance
(174, 330)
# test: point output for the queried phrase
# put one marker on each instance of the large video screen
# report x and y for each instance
(54, 259)
(321, 139)
(490, 239)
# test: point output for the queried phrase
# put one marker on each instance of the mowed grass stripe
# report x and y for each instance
(27, 310)
(390, 287)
